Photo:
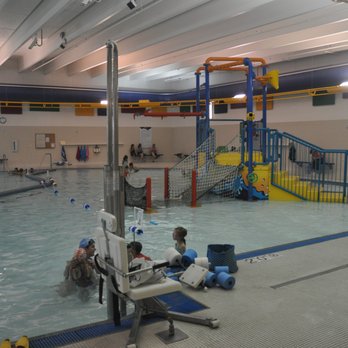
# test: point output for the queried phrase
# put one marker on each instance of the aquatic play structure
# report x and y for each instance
(259, 163)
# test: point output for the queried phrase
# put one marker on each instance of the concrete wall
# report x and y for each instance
(325, 126)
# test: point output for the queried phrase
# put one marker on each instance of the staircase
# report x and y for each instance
(307, 171)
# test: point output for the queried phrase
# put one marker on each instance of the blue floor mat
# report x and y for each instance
(176, 301)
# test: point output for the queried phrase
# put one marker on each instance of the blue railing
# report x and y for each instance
(300, 167)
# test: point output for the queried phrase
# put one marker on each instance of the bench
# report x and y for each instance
(113, 256)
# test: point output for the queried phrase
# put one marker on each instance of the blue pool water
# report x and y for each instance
(40, 230)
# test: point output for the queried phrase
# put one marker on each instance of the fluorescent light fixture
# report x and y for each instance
(104, 102)
(239, 96)
(344, 84)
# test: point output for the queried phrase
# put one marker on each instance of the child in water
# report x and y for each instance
(135, 249)
(179, 235)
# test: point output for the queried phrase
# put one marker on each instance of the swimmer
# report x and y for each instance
(179, 235)
(80, 273)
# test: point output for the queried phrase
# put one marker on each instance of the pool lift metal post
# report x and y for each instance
(113, 175)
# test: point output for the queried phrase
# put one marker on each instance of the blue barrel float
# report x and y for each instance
(188, 257)
(225, 280)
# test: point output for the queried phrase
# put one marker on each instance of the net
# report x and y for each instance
(135, 196)
(209, 174)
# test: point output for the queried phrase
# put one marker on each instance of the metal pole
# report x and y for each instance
(198, 108)
(250, 76)
(264, 117)
(113, 178)
(207, 101)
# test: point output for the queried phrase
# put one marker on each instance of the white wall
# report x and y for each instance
(325, 126)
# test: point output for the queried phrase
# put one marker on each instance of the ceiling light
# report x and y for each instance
(104, 102)
(344, 84)
(239, 96)
(88, 2)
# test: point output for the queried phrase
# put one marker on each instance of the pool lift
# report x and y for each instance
(114, 258)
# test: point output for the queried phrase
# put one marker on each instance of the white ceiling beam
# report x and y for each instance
(179, 24)
(248, 41)
(145, 17)
(90, 19)
(30, 26)
(249, 24)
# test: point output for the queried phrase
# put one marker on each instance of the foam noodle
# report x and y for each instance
(210, 279)
(172, 256)
(202, 261)
(219, 269)
(188, 257)
(225, 280)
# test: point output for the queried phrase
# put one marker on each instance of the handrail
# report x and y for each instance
(312, 145)
(307, 170)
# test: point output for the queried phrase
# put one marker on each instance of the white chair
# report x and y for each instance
(112, 259)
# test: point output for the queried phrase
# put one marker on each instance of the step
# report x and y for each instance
(331, 197)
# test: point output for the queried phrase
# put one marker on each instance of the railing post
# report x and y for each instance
(166, 183)
(345, 178)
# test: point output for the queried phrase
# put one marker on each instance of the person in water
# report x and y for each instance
(135, 249)
(79, 273)
(179, 235)
(81, 268)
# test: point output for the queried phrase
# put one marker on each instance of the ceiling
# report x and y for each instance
(162, 42)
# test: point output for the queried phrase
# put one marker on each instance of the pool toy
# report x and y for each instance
(225, 280)
(136, 230)
(5, 343)
(188, 257)
(23, 342)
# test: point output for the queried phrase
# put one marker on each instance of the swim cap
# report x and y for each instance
(86, 242)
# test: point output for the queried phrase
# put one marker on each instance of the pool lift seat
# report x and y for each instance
(113, 254)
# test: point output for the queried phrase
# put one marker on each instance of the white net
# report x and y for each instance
(209, 174)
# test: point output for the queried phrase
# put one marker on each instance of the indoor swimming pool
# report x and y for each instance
(40, 230)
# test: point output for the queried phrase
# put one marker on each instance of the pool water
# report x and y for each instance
(40, 230)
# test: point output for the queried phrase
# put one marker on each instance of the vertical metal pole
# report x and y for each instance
(250, 76)
(113, 179)
(198, 108)
(264, 117)
(166, 183)
(207, 101)
(345, 169)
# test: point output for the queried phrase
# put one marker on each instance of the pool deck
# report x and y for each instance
(287, 299)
